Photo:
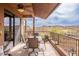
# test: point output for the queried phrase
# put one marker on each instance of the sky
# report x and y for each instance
(64, 15)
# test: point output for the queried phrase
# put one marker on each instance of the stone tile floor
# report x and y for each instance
(20, 51)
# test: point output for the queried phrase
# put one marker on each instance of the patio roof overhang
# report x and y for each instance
(42, 10)
(31, 10)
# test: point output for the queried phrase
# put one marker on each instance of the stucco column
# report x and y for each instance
(22, 28)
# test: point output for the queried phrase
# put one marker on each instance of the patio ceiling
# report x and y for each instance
(41, 10)
(44, 10)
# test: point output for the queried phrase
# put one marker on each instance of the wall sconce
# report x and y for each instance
(20, 7)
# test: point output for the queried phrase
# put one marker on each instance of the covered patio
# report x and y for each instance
(18, 39)
(11, 11)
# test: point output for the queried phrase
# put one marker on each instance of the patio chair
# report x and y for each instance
(33, 44)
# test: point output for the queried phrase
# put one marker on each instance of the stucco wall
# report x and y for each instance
(1, 25)
(1, 29)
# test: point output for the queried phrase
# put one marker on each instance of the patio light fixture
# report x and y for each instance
(20, 7)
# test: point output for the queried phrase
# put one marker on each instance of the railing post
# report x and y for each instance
(77, 47)
(20, 29)
(25, 25)
(58, 39)
(34, 26)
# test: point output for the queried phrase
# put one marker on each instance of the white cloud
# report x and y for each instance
(63, 15)
(66, 8)
(64, 11)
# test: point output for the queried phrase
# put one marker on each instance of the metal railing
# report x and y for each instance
(69, 44)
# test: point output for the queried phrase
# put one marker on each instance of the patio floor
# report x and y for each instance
(20, 51)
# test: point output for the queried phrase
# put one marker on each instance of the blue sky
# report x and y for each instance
(65, 14)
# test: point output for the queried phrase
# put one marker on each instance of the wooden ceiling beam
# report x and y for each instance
(26, 16)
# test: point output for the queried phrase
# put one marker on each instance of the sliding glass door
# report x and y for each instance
(9, 32)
